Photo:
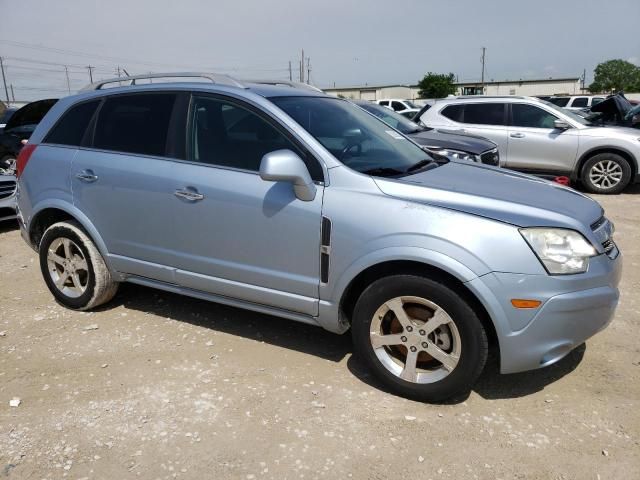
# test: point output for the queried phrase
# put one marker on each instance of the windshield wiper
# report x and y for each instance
(421, 164)
(383, 172)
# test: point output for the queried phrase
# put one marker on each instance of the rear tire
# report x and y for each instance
(440, 334)
(606, 173)
(73, 268)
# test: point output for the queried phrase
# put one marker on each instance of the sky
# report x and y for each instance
(348, 43)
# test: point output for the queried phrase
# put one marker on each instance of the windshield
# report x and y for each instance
(634, 111)
(568, 113)
(410, 104)
(391, 118)
(357, 139)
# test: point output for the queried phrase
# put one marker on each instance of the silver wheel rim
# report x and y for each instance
(415, 339)
(606, 174)
(67, 267)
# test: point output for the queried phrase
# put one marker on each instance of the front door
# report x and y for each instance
(534, 143)
(241, 236)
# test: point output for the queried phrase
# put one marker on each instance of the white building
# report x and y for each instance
(549, 86)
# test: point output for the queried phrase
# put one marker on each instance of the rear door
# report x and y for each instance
(488, 120)
(534, 143)
(241, 236)
(123, 182)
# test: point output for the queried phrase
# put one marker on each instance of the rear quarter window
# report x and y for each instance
(71, 128)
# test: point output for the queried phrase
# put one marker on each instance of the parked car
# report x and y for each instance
(441, 144)
(5, 116)
(397, 104)
(538, 137)
(293, 203)
(616, 110)
(7, 197)
(409, 113)
(575, 102)
(18, 130)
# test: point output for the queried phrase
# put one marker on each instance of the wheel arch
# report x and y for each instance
(628, 156)
(419, 268)
(46, 215)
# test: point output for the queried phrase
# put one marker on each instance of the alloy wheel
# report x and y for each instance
(67, 267)
(605, 174)
(415, 339)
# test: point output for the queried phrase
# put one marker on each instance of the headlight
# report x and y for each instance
(455, 154)
(561, 251)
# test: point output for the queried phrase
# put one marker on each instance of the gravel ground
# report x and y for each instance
(156, 385)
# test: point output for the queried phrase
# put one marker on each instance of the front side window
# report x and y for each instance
(530, 116)
(484, 113)
(357, 139)
(227, 134)
(73, 124)
(384, 103)
(135, 123)
(397, 106)
(580, 102)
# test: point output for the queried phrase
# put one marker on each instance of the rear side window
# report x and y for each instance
(559, 101)
(384, 103)
(73, 124)
(580, 102)
(397, 106)
(453, 112)
(135, 123)
(484, 113)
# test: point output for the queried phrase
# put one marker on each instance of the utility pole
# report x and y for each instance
(118, 71)
(13, 97)
(482, 81)
(584, 78)
(66, 72)
(290, 74)
(308, 69)
(4, 79)
(302, 67)
(90, 68)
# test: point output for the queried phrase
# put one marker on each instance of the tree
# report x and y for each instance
(434, 85)
(616, 75)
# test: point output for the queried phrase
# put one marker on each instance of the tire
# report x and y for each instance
(7, 163)
(606, 173)
(66, 248)
(375, 320)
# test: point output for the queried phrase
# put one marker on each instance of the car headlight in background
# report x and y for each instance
(454, 154)
(561, 251)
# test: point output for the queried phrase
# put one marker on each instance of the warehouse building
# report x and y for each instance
(548, 86)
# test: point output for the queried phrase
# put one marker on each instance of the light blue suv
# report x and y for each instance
(285, 201)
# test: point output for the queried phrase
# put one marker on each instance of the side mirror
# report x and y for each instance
(286, 166)
(561, 125)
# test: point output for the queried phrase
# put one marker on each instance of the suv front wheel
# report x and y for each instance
(419, 337)
(606, 173)
(73, 268)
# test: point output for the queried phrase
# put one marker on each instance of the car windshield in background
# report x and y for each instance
(391, 118)
(559, 101)
(568, 113)
(411, 104)
(357, 139)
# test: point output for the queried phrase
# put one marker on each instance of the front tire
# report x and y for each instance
(606, 173)
(73, 268)
(419, 337)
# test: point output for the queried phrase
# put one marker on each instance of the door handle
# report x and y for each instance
(517, 135)
(189, 195)
(87, 176)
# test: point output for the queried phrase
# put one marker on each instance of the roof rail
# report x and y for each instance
(214, 77)
(304, 86)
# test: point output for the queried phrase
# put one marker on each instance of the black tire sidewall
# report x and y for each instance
(626, 173)
(472, 335)
(61, 231)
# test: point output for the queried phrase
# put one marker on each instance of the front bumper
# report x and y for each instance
(574, 308)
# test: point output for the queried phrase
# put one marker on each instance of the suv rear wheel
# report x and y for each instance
(606, 173)
(73, 268)
(419, 337)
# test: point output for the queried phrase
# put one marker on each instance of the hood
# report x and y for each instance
(443, 139)
(30, 114)
(498, 194)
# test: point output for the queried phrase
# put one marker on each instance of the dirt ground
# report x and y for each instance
(156, 385)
